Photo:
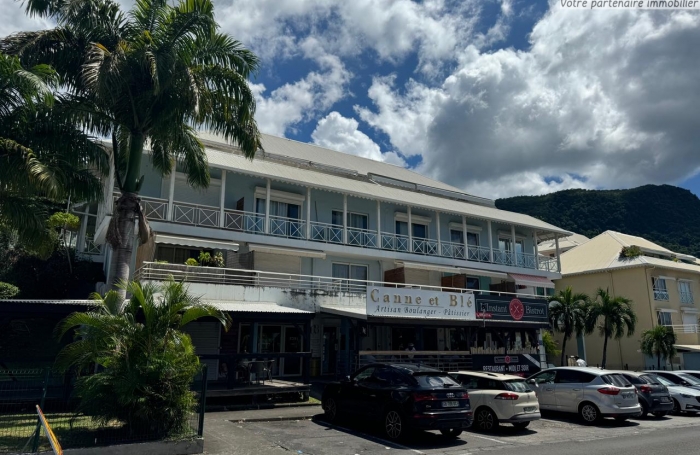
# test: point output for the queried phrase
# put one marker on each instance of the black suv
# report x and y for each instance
(653, 396)
(401, 397)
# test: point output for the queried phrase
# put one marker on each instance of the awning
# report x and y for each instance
(448, 269)
(689, 310)
(196, 242)
(255, 307)
(287, 251)
(688, 347)
(349, 311)
(531, 280)
(666, 310)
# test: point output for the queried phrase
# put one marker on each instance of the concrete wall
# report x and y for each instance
(151, 448)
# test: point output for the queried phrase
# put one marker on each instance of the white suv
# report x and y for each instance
(499, 398)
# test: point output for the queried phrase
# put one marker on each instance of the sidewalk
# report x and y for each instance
(224, 435)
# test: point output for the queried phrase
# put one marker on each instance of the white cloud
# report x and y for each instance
(610, 96)
(14, 19)
(340, 133)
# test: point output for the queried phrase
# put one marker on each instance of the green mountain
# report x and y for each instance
(664, 214)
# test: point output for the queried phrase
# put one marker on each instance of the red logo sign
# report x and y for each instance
(517, 310)
(507, 359)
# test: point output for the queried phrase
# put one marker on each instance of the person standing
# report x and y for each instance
(580, 362)
(410, 348)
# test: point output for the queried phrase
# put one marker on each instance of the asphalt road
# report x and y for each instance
(556, 434)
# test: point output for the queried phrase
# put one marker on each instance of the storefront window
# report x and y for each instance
(473, 283)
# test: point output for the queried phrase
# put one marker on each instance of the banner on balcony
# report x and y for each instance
(419, 304)
(507, 308)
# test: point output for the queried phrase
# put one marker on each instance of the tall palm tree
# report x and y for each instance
(659, 342)
(43, 156)
(613, 316)
(151, 76)
(145, 362)
(567, 314)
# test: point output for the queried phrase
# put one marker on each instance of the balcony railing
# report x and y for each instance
(661, 294)
(684, 328)
(91, 247)
(237, 220)
(687, 298)
(153, 271)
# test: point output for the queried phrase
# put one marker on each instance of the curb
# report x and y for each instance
(251, 407)
(272, 419)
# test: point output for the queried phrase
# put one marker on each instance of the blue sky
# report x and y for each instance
(497, 97)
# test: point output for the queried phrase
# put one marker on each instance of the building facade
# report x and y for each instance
(308, 234)
(662, 284)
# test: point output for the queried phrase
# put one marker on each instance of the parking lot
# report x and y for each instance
(667, 436)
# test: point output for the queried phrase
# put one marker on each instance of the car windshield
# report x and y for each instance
(517, 386)
(616, 380)
(435, 380)
(662, 380)
(651, 379)
(634, 379)
(691, 379)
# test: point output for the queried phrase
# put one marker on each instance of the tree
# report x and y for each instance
(659, 342)
(550, 344)
(145, 362)
(613, 316)
(567, 314)
(150, 76)
(43, 156)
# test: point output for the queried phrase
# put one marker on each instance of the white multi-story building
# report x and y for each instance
(344, 258)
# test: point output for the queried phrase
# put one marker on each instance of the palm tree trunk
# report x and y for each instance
(120, 264)
(605, 352)
(563, 351)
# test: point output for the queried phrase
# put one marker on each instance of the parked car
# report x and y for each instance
(653, 396)
(693, 373)
(685, 399)
(497, 398)
(401, 397)
(678, 378)
(592, 393)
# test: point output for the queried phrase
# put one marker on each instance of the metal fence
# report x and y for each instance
(20, 432)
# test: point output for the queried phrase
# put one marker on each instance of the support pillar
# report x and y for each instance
(513, 248)
(308, 213)
(222, 200)
(267, 207)
(556, 244)
(410, 230)
(379, 224)
(171, 194)
(345, 219)
(537, 253)
(464, 237)
(488, 224)
(542, 351)
(437, 226)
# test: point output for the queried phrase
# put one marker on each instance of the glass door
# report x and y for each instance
(292, 342)
(271, 343)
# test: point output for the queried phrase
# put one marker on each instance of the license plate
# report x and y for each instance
(628, 395)
(530, 409)
(450, 404)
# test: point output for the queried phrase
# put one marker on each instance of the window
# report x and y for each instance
(469, 382)
(685, 292)
(472, 239)
(546, 377)
(355, 220)
(277, 208)
(617, 380)
(489, 384)
(473, 283)
(363, 375)
(506, 244)
(573, 376)
(517, 385)
(350, 272)
(419, 230)
(457, 236)
(634, 379)
(664, 318)
(435, 380)
(659, 286)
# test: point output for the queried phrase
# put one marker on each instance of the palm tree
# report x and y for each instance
(43, 156)
(145, 362)
(147, 77)
(613, 316)
(567, 314)
(659, 342)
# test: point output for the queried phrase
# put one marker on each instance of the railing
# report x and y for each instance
(155, 209)
(503, 257)
(197, 215)
(327, 233)
(362, 237)
(661, 294)
(153, 271)
(287, 227)
(442, 360)
(394, 242)
(91, 247)
(244, 221)
(425, 246)
(479, 253)
(687, 298)
(452, 250)
(684, 328)
(547, 264)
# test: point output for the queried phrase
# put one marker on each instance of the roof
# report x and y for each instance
(566, 243)
(488, 374)
(688, 347)
(256, 307)
(602, 253)
(370, 190)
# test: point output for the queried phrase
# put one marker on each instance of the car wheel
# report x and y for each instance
(645, 410)
(589, 413)
(658, 415)
(393, 424)
(330, 406)
(486, 420)
(521, 425)
(676, 408)
(451, 433)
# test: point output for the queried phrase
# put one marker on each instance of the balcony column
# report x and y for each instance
(537, 253)
(267, 207)
(222, 200)
(171, 194)
(308, 213)
(345, 218)
(556, 244)
(512, 235)
(410, 230)
(379, 224)
(437, 226)
(488, 224)
(81, 244)
(464, 237)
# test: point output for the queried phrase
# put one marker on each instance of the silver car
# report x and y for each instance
(685, 399)
(591, 393)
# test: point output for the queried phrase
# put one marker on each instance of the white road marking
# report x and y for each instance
(488, 439)
(378, 440)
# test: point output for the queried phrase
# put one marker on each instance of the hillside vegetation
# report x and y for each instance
(664, 214)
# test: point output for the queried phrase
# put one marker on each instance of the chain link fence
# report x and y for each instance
(20, 432)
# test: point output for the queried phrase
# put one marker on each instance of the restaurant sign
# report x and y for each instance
(419, 304)
(515, 364)
(507, 308)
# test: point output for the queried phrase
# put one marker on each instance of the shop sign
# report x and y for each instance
(419, 304)
(515, 364)
(501, 308)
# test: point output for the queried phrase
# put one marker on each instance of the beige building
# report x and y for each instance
(662, 284)
(549, 247)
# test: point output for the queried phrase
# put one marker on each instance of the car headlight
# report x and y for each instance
(686, 395)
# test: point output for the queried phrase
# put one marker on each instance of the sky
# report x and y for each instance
(496, 97)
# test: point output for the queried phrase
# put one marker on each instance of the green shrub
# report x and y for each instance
(192, 262)
(7, 290)
(64, 220)
(629, 252)
(208, 260)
